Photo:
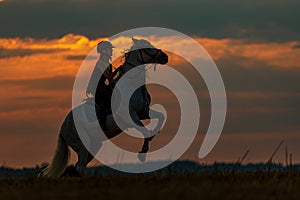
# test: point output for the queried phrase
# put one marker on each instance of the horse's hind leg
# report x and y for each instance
(84, 157)
(82, 160)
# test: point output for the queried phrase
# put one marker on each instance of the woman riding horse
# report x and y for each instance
(141, 53)
(102, 90)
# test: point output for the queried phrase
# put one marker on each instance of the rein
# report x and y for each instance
(141, 51)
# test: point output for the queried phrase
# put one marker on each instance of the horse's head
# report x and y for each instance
(146, 53)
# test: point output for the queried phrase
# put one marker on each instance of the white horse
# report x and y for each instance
(141, 53)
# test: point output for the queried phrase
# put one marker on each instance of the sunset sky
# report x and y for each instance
(255, 44)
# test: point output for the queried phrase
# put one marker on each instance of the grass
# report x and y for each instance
(265, 182)
(218, 185)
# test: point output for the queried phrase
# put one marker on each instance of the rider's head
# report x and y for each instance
(105, 48)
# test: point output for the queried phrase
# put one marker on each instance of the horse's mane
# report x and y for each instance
(138, 44)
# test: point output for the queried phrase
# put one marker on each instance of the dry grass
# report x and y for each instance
(265, 182)
(218, 185)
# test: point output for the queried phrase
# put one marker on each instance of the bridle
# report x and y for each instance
(152, 56)
(141, 51)
(121, 69)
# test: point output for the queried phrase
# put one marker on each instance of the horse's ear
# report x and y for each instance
(133, 39)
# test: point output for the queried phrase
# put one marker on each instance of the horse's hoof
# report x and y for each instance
(142, 156)
(71, 171)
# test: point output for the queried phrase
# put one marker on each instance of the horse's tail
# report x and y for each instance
(60, 160)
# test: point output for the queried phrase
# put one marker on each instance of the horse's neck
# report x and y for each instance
(139, 73)
(133, 81)
(130, 64)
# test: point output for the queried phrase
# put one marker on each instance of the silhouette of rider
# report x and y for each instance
(102, 90)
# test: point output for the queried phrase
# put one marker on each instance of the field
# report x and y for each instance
(275, 184)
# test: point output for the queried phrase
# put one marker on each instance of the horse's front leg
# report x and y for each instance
(147, 134)
(153, 114)
(139, 125)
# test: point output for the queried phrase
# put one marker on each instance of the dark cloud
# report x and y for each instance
(33, 98)
(261, 98)
(38, 103)
(263, 114)
(8, 53)
(37, 94)
(276, 107)
(34, 122)
(267, 20)
(245, 74)
(80, 57)
(260, 77)
(51, 83)
(297, 46)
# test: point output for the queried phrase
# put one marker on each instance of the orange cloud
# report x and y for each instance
(43, 63)
(274, 54)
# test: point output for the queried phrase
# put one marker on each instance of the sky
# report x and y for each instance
(255, 44)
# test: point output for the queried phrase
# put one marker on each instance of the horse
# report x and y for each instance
(142, 52)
